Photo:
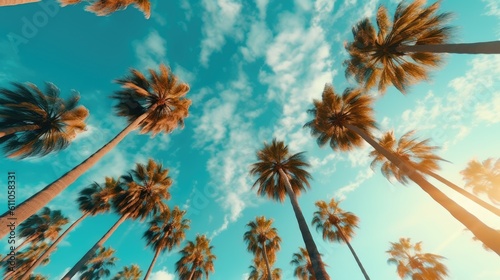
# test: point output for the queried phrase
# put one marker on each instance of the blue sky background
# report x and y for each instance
(254, 68)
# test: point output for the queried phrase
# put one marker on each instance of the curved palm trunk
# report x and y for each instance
(353, 253)
(465, 193)
(78, 266)
(150, 269)
(492, 47)
(312, 250)
(16, 2)
(41, 198)
(52, 247)
(266, 260)
(11, 130)
(484, 233)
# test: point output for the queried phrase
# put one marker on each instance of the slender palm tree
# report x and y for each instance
(38, 277)
(258, 271)
(154, 105)
(106, 7)
(279, 174)
(345, 121)
(401, 52)
(143, 193)
(412, 263)
(98, 266)
(16, 2)
(197, 259)
(337, 225)
(34, 123)
(420, 156)
(165, 232)
(94, 199)
(263, 241)
(24, 260)
(303, 265)
(484, 178)
(132, 272)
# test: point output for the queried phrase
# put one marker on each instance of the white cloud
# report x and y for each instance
(245, 276)
(262, 6)
(162, 274)
(151, 51)
(361, 177)
(222, 228)
(184, 74)
(305, 5)
(258, 38)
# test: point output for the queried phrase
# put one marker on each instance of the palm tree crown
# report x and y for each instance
(258, 271)
(132, 272)
(167, 230)
(45, 225)
(98, 266)
(104, 8)
(96, 198)
(261, 232)
(24, 260)
(334, 223)
(197, 259)
(42, 122)
(303, 266)
(378, 57)
(483, 178)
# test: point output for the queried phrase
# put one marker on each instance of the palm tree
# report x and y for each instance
(143, 193)
(263, 241)
(412, 263)
(106, 7)
(24, 260)
(154, 105)
(34, 123)
(258, 271)
(38, 277)
(280, 174)
(420, 156)
(165, 232)
(484, 178)
(303, 265)
(197, 259)
(98, 266)
(16, 2)
(337, 225)
(129, 273)
(94, 199)
(345, 121)
(402, 51)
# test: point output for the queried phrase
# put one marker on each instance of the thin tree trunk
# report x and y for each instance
(157, 253)
(465, 193)
(52, 247)
(492, 47)
(26, 241)
(11, 130)
(192, 273)
(312, 250)
(353, 252)
(41, 198)
(484, 233)
(266, 260)
(78, 266)
(16, 2)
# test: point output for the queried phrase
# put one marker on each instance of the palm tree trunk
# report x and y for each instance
(492, 47)
(11, 130)
(266, 260)
(78, 266)
(353, 253)
(312, 250)
(53, 246)
(483, 232)
(41, 198)
(465, 193)
(16, 2)
(157, 253)
(26, 241)
(192, 273)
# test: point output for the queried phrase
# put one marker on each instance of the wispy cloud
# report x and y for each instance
(361, 177)
(162, 274)
(151, 51)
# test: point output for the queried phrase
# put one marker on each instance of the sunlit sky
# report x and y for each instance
(254, 68)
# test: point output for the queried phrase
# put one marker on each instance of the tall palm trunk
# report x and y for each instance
(492, 47)
(266, 260)
(484, 233)
(78, 266)
(52, 247)
(41, 198)
(157, 253)
(193, 269)
(16, 2)
(353, 252)
(26, 241)
(11, 130)
(465, 193)
(312, 250)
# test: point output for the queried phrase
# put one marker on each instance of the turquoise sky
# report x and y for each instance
(254, 68)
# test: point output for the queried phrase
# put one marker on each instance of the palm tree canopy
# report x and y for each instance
(45, 224)
(161, 96)
(411, 262)
(261, 232)
(132, 272)
(167, 230)
(98, 266)
(38, 277)
(375, 57)
(333, 112)
(58, 121)
(330, 218)
(197, 258)
(417, 153)
(25, 259)
(104, 8)
(303, 266)
(258, 271)
(483, 178)
(271, 159)
(96, 198)
(144, 190)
